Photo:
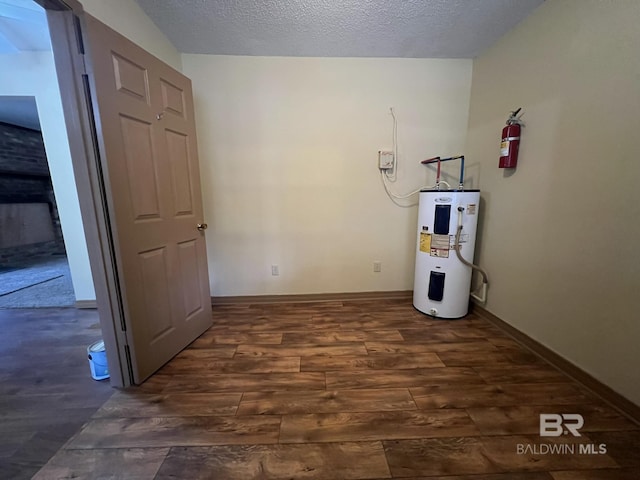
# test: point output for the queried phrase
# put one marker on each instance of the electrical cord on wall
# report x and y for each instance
(401, 197)
(394, 176)
(394, 198)
(394, 143)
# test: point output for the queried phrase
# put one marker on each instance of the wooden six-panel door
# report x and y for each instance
(146, 133)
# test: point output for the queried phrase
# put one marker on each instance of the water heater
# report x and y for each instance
(442, 281)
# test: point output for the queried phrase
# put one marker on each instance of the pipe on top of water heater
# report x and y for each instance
(438, 160)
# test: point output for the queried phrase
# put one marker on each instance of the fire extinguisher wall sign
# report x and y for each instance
(511, 141)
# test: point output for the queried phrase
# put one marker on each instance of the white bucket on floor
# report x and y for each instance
(98, 360)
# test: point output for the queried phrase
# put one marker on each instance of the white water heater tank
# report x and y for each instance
(442, 282)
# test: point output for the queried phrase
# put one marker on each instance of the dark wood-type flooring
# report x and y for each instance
(353, 390)
(46, 390)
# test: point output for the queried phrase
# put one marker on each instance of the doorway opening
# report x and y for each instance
(41, 232)
(144, 240)
(48, 391)
(34, 269)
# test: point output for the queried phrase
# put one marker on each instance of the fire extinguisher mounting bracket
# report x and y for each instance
(515, 119)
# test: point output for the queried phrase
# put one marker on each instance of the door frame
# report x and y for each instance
(65, 18)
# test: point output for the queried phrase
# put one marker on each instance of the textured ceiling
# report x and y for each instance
(337, 28)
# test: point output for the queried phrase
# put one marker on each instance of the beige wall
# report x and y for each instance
(559, 236)
(127, 18)
(34, 74)
(288, 153)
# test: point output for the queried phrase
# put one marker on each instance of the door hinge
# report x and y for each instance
(127, 353)
(79, 45)
(81, 63)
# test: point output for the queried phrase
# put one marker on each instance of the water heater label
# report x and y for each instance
(439, 246)
(439, 252)
(464, 238)
(471, 209)
(425, 242)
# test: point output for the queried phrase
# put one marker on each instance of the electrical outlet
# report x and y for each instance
(275, 270)
(377, 267)
(385, 159)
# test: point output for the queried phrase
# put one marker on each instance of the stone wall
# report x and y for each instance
(25, 179)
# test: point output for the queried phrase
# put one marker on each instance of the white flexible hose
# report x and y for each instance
(402, 197)
(394, 175)
(485, 277)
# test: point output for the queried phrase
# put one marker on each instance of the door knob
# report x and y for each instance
(202, 226)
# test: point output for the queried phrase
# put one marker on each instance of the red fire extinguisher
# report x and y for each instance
(510, 141)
